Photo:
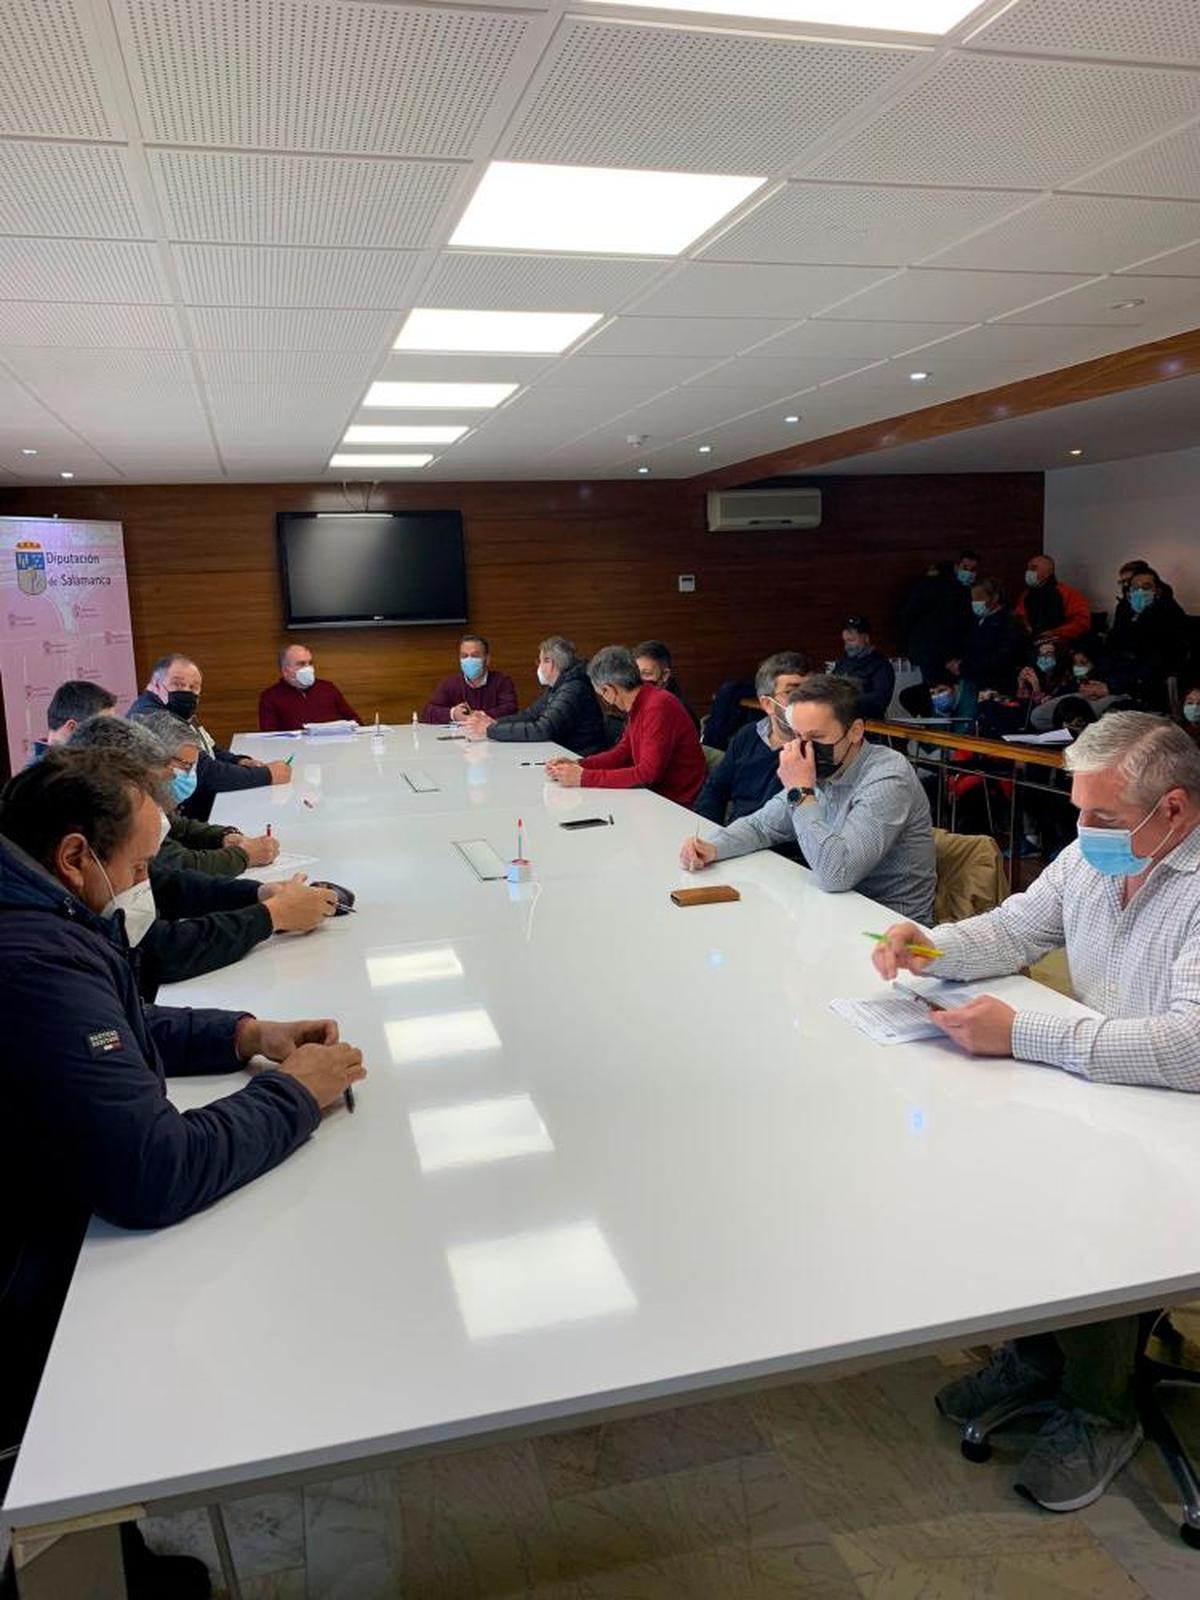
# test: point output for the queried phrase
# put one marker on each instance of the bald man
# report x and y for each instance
(300, 696)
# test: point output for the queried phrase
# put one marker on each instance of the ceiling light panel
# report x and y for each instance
(344, 459)
(438, 396)
(365, 433)
(607, 210)
(618, 94)
(897, 16)
(500, 332)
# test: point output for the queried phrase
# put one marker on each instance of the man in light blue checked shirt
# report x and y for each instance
(1125, 901)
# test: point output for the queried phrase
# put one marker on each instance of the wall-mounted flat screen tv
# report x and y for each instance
(359, 569)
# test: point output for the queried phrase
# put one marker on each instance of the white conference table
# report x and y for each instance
(610, 1153)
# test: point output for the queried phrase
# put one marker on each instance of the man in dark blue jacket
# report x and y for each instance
(869, 668)
(176, 682)
(747, 776)
(87, 1127)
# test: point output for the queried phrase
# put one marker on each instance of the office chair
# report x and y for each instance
(1150, 1375)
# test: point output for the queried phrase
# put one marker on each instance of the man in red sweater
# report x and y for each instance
(300, 696)
(476, 686)
(659, 749)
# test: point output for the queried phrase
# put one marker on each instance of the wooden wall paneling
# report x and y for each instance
(597, 561)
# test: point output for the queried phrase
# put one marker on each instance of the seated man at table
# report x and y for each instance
(87, 1128)
(747, 776)
(869, 668)
(856, 810)
(655, 665)
(176, 682)
(299, 696)
(565, 713)
(1124, 899)
(476, 686)
(658, 750)
(203, 846)
(71, 703)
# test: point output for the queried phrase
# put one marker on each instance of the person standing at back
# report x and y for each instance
(1050, 609)
(299, 696)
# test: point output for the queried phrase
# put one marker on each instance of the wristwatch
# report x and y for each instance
(795, 796)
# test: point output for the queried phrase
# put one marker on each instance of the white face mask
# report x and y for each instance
(542, 678)
(306, 677)
(137, 902)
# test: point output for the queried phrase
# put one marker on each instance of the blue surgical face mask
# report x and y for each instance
(1110, 850)
(1047, 663)
(1031, 578)
(472, 667)
(942, 703)
(1082, 672)
(853, 650)
(1140, 600)
(965, 576)
(979, 607)
(1191, 710)
(183, 785)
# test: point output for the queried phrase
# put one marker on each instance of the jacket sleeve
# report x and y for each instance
(544, 722)
(83, 1086)
(653, 759)
(437, 708)
(268, 714)
(180, 892)
(191, 1040)
(190, 946)
(221, 773)
(506, 696)
(718, 788)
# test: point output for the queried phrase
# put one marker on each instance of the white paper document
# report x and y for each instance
(899, 1015)
(1051, 736)
(283, 866)
(323, 730)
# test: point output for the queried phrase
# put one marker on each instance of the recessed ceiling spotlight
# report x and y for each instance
(704, 449)
(643, 471)
(1076, 452)
(66, 474)
(919, 377)
(28, 451)
(792, 418)
(1127, 305)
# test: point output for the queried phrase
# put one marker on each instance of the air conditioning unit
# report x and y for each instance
(732, 509)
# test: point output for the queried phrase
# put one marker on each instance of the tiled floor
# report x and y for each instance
(837, 1491)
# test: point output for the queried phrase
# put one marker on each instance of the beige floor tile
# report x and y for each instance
(646, 1446)
(289, 1585)
(1083, 1573)
(266, 1534)
(352, 1538)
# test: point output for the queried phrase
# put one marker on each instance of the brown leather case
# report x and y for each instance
(714, 894)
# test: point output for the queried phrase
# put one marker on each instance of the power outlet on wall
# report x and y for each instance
(687, 583)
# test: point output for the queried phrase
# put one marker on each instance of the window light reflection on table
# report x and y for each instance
(446, 1033)
(478, 1131)
(537, 1280)
(387, 967)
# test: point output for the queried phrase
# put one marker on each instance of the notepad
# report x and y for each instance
(898, 1017)
(283, 866)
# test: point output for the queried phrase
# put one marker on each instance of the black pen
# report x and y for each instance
(533, 763)
(348, 1097)
(611, 823)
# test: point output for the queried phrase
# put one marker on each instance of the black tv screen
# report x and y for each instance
(371, 569)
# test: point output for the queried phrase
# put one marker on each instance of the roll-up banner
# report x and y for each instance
(64, 613)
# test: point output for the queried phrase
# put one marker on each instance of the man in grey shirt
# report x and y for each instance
(857, 811)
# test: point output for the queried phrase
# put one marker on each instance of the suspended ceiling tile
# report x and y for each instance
(615, 93)
(1151, 30)
(1020, 123)
(619, 372)
(478, 280)
(1079, 233)
(1183, 263)
(24, 322)
(678, 336)
(238, 275)
(1169, 168)
(855, 341)
(230, 197)
(1004, 342)
(81, 269)
(49, 83)
(359, 79)
(859, 224)
(66, 190)
(923, 293)
(239, 328)
(287, 367)
(772, 375)
(722, 289)
(1166, 300)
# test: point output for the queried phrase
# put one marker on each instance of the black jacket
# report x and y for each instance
(875, 677)
(203, 923)
(215, 774)
(935, 622)
(996, 650)
(1144, 650)
(567, 713)
(742, 782)
(87, 1127)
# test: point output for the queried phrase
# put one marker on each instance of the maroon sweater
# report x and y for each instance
(659, 750)
(498, 696)
(284, 706)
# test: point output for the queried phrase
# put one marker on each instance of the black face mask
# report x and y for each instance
(183, 703)
(825, 759)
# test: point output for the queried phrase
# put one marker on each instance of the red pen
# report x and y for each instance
(268, 830)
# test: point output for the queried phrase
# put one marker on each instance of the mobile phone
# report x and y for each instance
(586, 822)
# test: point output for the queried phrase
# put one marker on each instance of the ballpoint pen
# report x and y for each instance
(926, 950)
(348, 1097)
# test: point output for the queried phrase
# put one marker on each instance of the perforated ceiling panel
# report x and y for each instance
(66, 189)
(227, 275)
(85, 327)
(1080, 233)
(275, 74)
(1171, 167)
(268, 199)
(79, 269)
(466, 280)
(48, 85)
(995, 120)
(625, 95)
(925, 294)
(1150, 30)
(718, 288)
(681, 336)
(286, 367)
(855, 341)
(858, 224)
(258, 328)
